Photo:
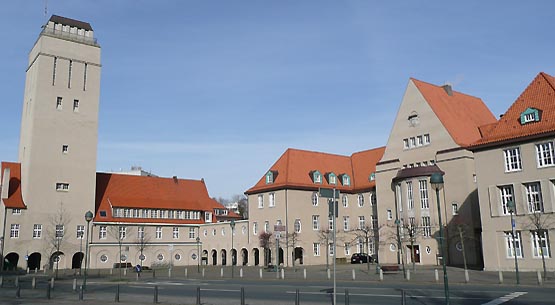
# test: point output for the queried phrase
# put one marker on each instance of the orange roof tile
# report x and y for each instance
(294, 169)
(15, 199)
(144, 192)
(539, 94)
(461, 114)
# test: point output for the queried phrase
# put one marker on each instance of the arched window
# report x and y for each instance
(297, 226)
(315, 199)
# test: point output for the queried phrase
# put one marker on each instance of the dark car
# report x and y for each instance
(360, 258)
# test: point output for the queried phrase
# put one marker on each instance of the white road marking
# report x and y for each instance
(392, 295)
(506, 298)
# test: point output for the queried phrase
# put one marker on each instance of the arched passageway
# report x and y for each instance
(214, 257)
(298, 254)
(233, 257)
(256, 256)
(224, 257)
(280, 256)
(33, 262)
(244, 257)
(77, 260)
(10, 262)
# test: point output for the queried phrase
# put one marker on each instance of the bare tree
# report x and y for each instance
(461, 233)
(325, 235)
(265, 241)
(396, 235)
(142, 241)
(118, 233)
(539, 224)
(292, 240)
(368, 234)
(242, 205)
(410, 233)
(55, 235)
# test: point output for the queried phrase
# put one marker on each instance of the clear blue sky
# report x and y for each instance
(220, 89)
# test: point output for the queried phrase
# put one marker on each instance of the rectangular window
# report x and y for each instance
(345, 201)
(455, 208)
(272, 200)
(330, 223)
(419, 141)
(62, 187)
(260, 201)
(512, 159)
(191, 233)
(85, 77)
(406, 143)
(374, 222)
(424, 203)
(410, 197)
(158, 232)
(331, 248)
(412, 142)
(102, 232)
(75, 105)
(255, 228)
(59, 103)
(540, 243)
(54, 71)
(122, 232)
(534, 197)
(14, 230)
(16, 211)
(360, 246)
(506, 192)
(80, 231)
(517, 244)
(373, 198)
(141, 232)
(69, 74)
(315, 222)
(345, 223)
(37, 231)
(207, 217)
(545, 155)
(59, 231)
(426, 139)
(347, 249)
(426, 226)
(316, 249)
(65, 149)
(175, 233)
(361, 222)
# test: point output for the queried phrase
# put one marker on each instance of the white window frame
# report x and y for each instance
(406, 144)
(316, 249)
(512, 159)
(315, 199)
(141, 232)
(255, 228)
(102, 232)
(266, 226)
(37, 231)
(506, 193)
(122, 232)
(175, 232)
(389, 214)
(345, 201)
(260, 201)
(455, 208)
(331, 249)
(346, 223)
(424, 200)
(347, 249)
(509, 244)
(14, 230)
(545, 155)
(272, 200)
(192, 233)
(16, 211)
(540, 242)
(207, 217)
(534, 197)
(426, 226)
(361, 222)
(158, 232)
(80, 232)
(315, 222)
(427, 139)
(360, 200)
(298, 225)
(410, 195)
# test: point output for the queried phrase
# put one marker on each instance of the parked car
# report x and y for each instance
(360, 258)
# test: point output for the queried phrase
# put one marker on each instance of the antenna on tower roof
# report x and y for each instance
(45, 8)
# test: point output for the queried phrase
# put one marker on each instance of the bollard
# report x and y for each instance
(347, 301)
(329, 274)
(116, 298)
(260, 272)
(137, 276)
(125, 272)
(500, 277)
(36, 270)
(80, 292)
(34, 283)
(28, 270)
(17, 281)
(202, 272)
(153, 273)
(155, 295)
(381, 275)
(466, 276)
(74, 287)
(18, 292)
(169, 273)
(52, 283)
(540, 280)
(242, 295)
(436, 275)
(304, 273)
(354, 276)
(186, 272)
(222, 272)
(403, 297)
(297, 297)
(198, 294)
(112, 271)
(408, 275)
(282, 274)
(241, 272)
(48, 291)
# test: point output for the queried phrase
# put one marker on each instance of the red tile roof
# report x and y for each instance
(461, 114)
(14, 200)
(144, 192)
(539, 94)
(294, 169)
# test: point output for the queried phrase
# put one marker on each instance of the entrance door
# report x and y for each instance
(416, 253)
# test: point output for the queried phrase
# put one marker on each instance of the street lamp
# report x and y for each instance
(512, 209)
(88, 218)
(232, 224)
(436, 180)
(198, 254)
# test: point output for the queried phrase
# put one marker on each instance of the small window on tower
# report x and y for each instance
(75, 105)
(59, 103)
(65, 149)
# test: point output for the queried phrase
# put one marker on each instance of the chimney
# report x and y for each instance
(175, 179)
(448, 89)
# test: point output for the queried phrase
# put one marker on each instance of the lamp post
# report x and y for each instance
(198, 254)
(436, 180)
(512, 209)
(88, 218)
(232, 224)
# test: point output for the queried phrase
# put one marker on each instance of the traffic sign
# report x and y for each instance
(142, 257)
(513, 223)
(194, 256)
(328, 193)
(279, 228)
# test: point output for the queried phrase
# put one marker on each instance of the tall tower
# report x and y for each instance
(58, 141)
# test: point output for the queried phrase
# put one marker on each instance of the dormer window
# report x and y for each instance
(316, 177)
(332, 179)
(529, 115)
(270, 176)
(346, 180)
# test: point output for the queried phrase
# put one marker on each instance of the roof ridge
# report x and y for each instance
(548, 78)
(367, 150)
(317, 152)
(439, 86)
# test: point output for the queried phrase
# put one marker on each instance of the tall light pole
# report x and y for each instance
(512, 209)
(436, 180)
(198, 254)
(88, 218)
(232, 224)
